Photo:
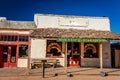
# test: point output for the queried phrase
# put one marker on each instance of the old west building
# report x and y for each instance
(14, 42)
(73, 40)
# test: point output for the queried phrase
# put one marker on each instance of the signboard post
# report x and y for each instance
(43, 67)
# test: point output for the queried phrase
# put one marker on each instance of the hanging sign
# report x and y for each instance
(81, 40)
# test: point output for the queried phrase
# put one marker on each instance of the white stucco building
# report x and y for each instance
(73, 40)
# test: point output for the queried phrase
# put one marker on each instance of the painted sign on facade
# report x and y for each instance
(80, 40)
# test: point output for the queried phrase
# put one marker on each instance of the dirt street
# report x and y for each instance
(61, 77)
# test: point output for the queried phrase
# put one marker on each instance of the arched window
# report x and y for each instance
(90, 50)
(53, 48)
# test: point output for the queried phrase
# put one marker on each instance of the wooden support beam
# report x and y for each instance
(101, 58)
(82, 49)
(65, 57)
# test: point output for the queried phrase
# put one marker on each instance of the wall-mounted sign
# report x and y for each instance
(80, 40)
(73, 22)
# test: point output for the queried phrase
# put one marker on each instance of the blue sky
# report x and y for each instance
(24, 10)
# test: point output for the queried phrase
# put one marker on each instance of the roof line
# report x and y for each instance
(59, 15)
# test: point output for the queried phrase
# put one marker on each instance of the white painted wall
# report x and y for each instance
(38, 48)
(22, 63)
(76, 22)
(14, 31)
(61, 60)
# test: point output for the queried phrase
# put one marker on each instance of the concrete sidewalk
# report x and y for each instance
(59, 71)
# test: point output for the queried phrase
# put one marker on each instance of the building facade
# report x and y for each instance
(14, 43)
(73, 40)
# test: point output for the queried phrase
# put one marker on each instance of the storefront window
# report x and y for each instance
(90, 50)
(53, 48)
(13, 54)
(5, 54)
(23, 51)
(8, 38)
(23, 38)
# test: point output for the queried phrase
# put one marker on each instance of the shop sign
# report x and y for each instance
(81, 40)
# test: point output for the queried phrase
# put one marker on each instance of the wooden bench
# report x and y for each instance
(37, 62)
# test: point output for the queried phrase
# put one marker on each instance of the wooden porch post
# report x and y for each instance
(101, 58)
(65, 57)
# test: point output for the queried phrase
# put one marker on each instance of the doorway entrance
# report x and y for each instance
(73, 54)
(117, 58)
(8, 56)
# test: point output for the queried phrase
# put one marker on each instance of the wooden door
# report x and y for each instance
(13, 61)
(73, 54)
(117, 58)
(8, 56)
(4, 56)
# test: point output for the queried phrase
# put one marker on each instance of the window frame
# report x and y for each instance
(14, 37)
(22, 37)
(50, 55)
(97, 51)
(24, 56)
